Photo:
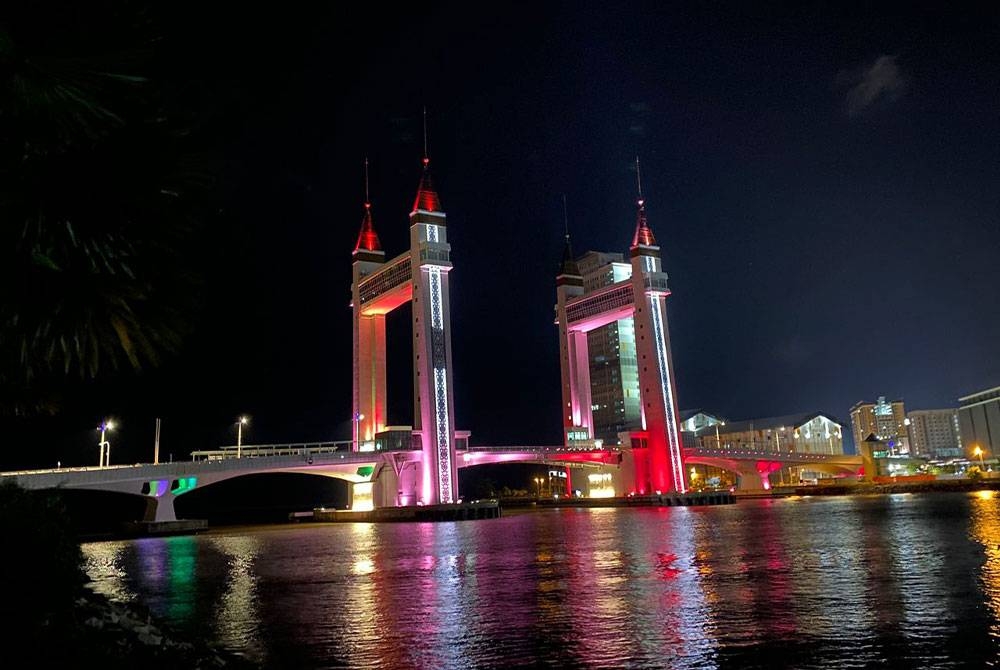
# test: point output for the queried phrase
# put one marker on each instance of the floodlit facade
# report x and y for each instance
(797, 433)
(979, 421)
(934, 433)
(885, 420)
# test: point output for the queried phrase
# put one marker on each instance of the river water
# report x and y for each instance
(823, 582)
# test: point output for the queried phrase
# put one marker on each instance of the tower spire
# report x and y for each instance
(568, 265)
(427, 158)
(638, 178)
(427, 198)
(367, 238)
(643, 233)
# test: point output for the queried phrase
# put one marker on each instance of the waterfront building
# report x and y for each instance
(979, 422)
(886, 420)
(693, 420)
(934, 433)
(813, 433)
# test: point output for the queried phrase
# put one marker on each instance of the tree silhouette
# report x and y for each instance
(102, 200)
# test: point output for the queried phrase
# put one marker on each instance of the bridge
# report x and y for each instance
(373, 476)
(419, 465)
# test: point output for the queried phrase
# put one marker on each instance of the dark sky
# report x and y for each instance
(823, 182)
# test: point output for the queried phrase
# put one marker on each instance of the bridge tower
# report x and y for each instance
(419, 276)
(652, 459)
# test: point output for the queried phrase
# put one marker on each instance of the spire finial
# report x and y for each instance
(426, 156)
(638, 178)
(368, 201)
(565, 217)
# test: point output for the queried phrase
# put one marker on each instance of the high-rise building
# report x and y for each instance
(614, 373)
(979, 420)
(934, 433)
(885, 420)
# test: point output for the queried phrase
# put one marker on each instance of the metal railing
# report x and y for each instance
(261, 450)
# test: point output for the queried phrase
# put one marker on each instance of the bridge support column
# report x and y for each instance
(396, 484)
(160, 508)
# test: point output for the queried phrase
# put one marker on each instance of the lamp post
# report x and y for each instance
(239, 435)
(358, 418)
(105, 446)
(978, 451)
(718, 443)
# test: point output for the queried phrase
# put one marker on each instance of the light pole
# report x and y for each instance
(358, 418)
(718, 443)
(105, 452)
(239, 435)
(978, 451)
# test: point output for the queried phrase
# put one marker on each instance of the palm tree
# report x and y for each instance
(102, 197)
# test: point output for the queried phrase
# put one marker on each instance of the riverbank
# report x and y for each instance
(882, 488)
(104, 634)
(691, 499)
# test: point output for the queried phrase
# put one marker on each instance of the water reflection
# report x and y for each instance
(237, 617)
(808, 583)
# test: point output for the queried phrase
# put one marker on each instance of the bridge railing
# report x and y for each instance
(763, 453)
(536, 448)
(259, 450)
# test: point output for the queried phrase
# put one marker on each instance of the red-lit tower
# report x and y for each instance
(652, 459)
(418, 276)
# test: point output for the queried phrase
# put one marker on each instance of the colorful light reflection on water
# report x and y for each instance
(895, 581)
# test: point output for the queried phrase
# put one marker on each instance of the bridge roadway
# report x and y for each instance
(161, 483)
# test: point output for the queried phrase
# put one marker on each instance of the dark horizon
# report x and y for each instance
(822, 185)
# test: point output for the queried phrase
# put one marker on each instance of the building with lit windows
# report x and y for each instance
(614, 373)
(883, 419)
(934, 433)
(979, 421)
(813, 433)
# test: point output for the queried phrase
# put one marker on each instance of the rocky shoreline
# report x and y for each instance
(109, 634)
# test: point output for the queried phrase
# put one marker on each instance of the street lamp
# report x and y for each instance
(718, 443)
(978, 451)
(105, 452)
(239, 434)
(358, 418)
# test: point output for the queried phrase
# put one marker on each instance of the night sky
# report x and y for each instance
(823, 183)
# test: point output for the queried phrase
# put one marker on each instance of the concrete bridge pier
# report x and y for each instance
(395, 482)
(160, 508)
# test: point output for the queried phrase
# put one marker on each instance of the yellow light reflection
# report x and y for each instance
(985, 527)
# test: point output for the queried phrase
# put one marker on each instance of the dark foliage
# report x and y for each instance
(102, 197)
(41, 574)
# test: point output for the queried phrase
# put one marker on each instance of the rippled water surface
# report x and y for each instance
(844, 582)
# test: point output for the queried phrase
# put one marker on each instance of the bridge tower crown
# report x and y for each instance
(419, 276)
